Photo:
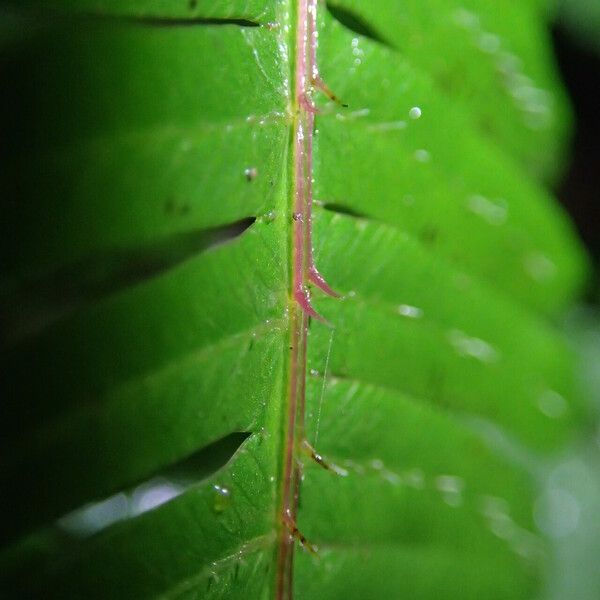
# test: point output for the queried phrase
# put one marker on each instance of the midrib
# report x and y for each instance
(300, 202)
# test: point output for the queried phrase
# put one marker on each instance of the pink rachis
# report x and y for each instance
(307, 77)
(304, 272)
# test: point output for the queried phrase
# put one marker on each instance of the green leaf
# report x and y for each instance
(151, 332)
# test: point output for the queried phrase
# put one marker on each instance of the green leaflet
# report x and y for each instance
(504, 80)
(150, 193)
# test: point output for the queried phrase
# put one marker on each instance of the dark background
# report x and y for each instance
(579, 192)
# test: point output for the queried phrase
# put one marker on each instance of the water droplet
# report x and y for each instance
(251, 173)
(557, 513)
(388, 126)
(503, 526)
(415, 113)
(449, 483)
(552, 404)
(356, 467)
(314, 373)
(494, 212)
(423, 156)
(488, 42)
(361, 112)
(521, 80)
(451, 488)
(412, 312)
(465, 18)
(509, 63)
(391, 477)
(221, 499)
(528, 545)
(415, 478)
(466, 345)
(492, 506)
(539, 267)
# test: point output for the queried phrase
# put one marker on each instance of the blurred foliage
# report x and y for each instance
(582, 18)
(146, 237)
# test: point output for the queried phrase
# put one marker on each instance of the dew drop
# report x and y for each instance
(423, 156)
(415, 113)
(449, 483)
(557, 513)
(488, 42)
(411, 312)
(539, 267)
(479, 349)
(503, 526)
(494, 507)
(221, 499)
(508, 63)
(251, 173)
(552, 404)
(528, 546)
(415, 478)
(494, 212)
(466, 18)
(451, 488)
(390, 477)
(363, 112)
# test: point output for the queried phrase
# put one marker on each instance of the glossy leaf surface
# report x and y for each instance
(147, 351)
